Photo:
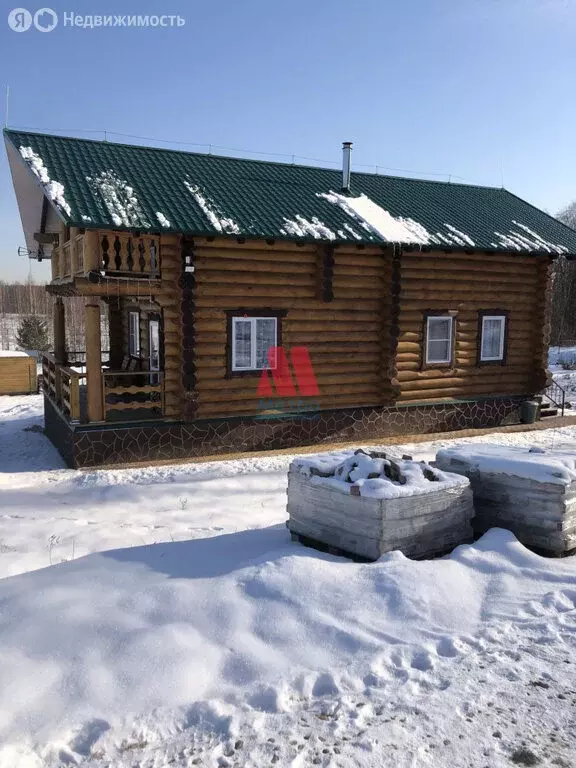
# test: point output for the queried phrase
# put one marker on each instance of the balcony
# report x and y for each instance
(127, 395)
(105, 254)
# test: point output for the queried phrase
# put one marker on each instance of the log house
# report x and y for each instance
(255, 305)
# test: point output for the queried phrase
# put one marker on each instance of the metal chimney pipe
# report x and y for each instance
(346, 165)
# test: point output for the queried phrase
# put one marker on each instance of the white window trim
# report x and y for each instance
(432, 361)
(502, 319)
(252, 320)
(134, 333)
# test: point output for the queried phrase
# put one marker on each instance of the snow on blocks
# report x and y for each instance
(529, 491)
(367, 503)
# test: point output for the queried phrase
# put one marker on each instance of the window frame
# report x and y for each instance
(136, 336)
(253, 321)
(493, 314)
(443, 315)
(253, 315)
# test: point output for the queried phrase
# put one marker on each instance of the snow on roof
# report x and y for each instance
(162, 219)
(120, 200)
(12, 353)
(395, 229)
(302, 227)
(527, 240)
(542, 465)
(373, 476)
(460, 237)
(220, 223)
(372, 217)
(54, 189)
(353, 232)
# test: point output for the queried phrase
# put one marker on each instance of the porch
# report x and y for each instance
(93, 386)
(126, 395)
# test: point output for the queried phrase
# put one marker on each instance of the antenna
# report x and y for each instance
(7, 106)
(501, 172)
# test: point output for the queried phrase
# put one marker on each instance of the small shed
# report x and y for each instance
(17, 373)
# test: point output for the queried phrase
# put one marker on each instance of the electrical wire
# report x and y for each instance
(210, 147)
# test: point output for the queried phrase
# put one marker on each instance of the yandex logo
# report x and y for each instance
(278, 379)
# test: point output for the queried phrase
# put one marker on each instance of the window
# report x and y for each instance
(134, 334)
(439, 329)
(492, 335)
(252, 337)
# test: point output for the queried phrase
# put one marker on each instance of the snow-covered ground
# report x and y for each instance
(178, 625)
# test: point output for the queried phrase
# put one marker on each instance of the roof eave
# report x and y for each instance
(301, 241)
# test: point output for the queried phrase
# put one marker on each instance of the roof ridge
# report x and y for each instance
(283, 164)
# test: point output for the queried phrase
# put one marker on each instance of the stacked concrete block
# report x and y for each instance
(367, 504)
(530, 492)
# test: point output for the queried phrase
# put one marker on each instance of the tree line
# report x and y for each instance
(564, 291)
(26, 306)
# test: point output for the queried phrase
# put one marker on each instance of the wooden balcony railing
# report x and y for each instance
(68, 258)
(140, 392)
(123, 254)
(110, 253)
(78, 253)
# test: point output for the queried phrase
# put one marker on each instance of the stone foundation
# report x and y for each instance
(59, 432)
(92, 446)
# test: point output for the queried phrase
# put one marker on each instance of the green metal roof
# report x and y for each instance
(122, 186)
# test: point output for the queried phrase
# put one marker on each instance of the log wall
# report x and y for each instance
(347, 337)
(466, 284)
(359, 311)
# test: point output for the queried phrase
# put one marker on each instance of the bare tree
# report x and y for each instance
(568, 215)
(564, 290)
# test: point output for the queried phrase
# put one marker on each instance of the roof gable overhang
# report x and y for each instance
(37, 212)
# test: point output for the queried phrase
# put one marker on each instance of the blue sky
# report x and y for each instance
(480, 89)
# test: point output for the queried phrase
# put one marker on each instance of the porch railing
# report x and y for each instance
(62, 385)
(127, 396)
(77, 358)
(555, 396)
(70, 392)
(49, 366)
(133, 391)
